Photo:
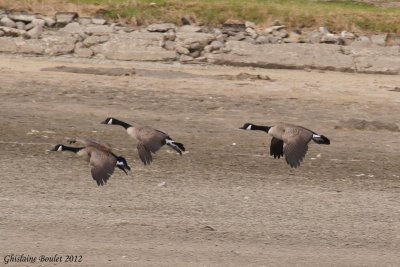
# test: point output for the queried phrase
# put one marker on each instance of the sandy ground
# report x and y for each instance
(222, 204)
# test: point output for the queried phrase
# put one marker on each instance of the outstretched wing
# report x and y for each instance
(90, 142)
(295, 145)
(152, 139)
(102, 165)
(144, 154)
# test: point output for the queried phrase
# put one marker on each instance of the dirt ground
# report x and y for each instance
(225, 202)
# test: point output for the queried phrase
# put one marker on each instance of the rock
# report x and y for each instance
(233, 26)
(98, 21)
(21, 26)
(250, 24)
(251, 32)
(392, 39)
(49, 21)
(276, 23)
(186, 20)
(162, 27)
(1, 34)
(314, 37)
(379, 39)
(362, 41)
(278, 28)
(274, 40)
(268, 30)
(262, 40)
(290, 56)
(12, 32)
(7, 22)
(237, 37)
(169, 35)
(98, 29)
(35, 32)
(63, 18)
(194, 40)
(73, 27)
(22, 17)
(141, 46)
(189, 28)
(280, 34)
(59, 44)
(221, 38)
(182, 50)
(195, 54)
(85, 20)
(95, 39)
(376, 59)
(216, 45)
(347, 35)
(7, 44)
(293, 38)
(83, 52)
(185, 58)
(35, 22)
(169, 45)
(329, 38)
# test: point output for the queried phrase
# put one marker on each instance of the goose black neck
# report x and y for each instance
(72, 149)
(121, 123)
(260, 128)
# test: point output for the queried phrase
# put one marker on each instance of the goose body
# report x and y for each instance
(149, 139)
(100, 157)
(289, 140)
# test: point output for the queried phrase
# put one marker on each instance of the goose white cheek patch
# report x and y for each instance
(316, 136)
(59, 148)
(248, 127)
(110, 121)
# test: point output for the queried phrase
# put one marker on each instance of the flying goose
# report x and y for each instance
(289, 140)
(102, 160)
(149, 140)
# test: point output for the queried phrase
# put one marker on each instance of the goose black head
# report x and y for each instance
(247, 126)
(58, 147)
(122, 164)
(109, 120)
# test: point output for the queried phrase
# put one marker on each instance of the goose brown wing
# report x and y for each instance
(276, 148)
(144, 154)
(152, 139)
(295, 145)
(102, 165)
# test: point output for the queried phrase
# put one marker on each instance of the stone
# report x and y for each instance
(233, 26)
(63, 18)
(314, 37)
(194, 40)
(185, 58)
(262, 39)
(169, 35)
(98, 29)
(379, 39)
(182, 50)
(278, 28)
(251, 32)
(95, 39)
(268, 30)
(38, 22)
(329, 39)
(99, 21)
(7, 44)
(195, 54)
(280, 34)
(237, 37)
(83, 52)
(7, 22)
(250, 24)
(1, 34)
(169, 45)
(189, 28)
(22, 17)
(73, 27)
(392, 40)
(85, 20)
(141, 46)
(49, 21)
(216, 45)
(362, 41)
(323, 30)
(291, 56)
(161, 27)
(293, 38)
(347, 35)
(21, 26)
(35, 32)
(59, 44)
(186, 20)
(12, 32)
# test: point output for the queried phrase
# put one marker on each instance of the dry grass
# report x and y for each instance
(335, 14)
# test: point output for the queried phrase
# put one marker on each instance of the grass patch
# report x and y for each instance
(337, 15)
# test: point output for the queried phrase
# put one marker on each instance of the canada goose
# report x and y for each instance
(100, 157)
(289, 140)
(149, 140)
